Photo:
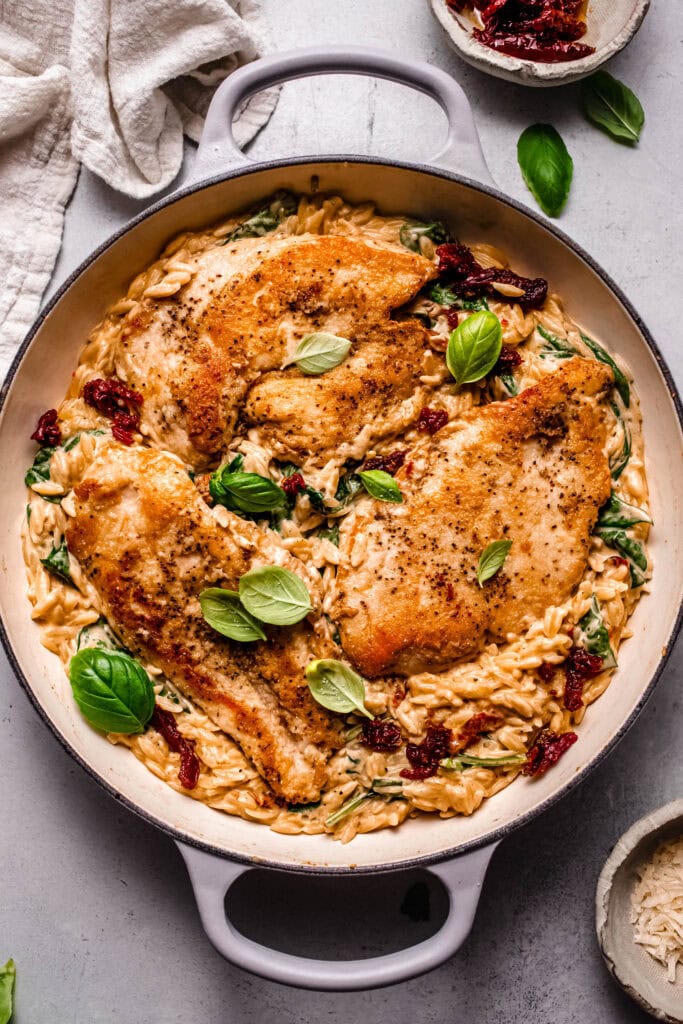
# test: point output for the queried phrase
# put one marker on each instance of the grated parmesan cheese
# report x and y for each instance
(657, 906)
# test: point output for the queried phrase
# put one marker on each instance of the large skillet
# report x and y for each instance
(218, 848)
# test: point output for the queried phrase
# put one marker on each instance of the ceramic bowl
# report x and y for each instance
(611, 26)
(639, 974)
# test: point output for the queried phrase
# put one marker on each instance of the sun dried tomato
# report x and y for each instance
(164, 722)
(293, 484)
(453, 318)
(113, 398)
(547, 751)
(431, 420)
(544, 30)
(382, 736)
(547, 671)
(47, 431)
(424, 757)
(473, 728)
(508, 360)
(458, 265)
(388, 463)
(579, 667)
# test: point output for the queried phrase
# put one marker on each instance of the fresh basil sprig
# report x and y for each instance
(619, 461)
(546, 166)
(274, 595)
(474, 347)
(620, 381)
(380, 485)
(618, 513)
(458, 764)
(630, 549)
(57, 562)
(337, 687)
(555, 348)
(8, 973)
(595, 636)
(225, 613)
(112, 690)
(317, 353)
(245, 492)
(612, 106)
(413, 230)
(492, 559)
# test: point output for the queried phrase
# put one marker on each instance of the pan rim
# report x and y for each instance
(496, 835)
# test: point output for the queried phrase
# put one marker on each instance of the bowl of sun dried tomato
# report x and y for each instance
(539, 42)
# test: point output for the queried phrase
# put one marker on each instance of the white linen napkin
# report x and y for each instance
(111, 83)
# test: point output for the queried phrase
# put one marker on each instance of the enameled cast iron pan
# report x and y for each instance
(456, 187)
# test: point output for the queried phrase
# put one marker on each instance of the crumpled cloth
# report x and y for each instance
(114, 84)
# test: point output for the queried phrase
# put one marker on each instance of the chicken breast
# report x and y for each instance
(374, 394)
(149, 545)
(531, 470)
(195, 355)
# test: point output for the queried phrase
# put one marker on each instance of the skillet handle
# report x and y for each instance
(213, 876)
(218, 150)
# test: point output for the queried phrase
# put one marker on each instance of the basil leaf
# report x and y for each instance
(337, 687)
(474, 347)
(112, 690)
(447, 297)
(413, 230)
(275, 595)
(380, 485)
(616, 512)
(8, 973)
(39, 472)
(98, 634)
(224, 613)
(611, 105)
(303, 808)
(282, 205)
(509, 383)
(555, 348)
(632, 550)
(546, 167)
(347, 808)
(246, 492)
(57, 562)
(443, 295)
(330, 533)
(620, 382)
(387, 782)
(458, 764)
(317, 353)
(619, 462)
(474, 304)
(348, 487)
(594, 634)
(72, 441)
(492, 559)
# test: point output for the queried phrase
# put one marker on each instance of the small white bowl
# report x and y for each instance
(611, 24)
(639, 974)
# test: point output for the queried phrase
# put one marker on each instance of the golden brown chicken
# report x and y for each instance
(194, 356)
(149, 545)
(375, 393)
(531, 470)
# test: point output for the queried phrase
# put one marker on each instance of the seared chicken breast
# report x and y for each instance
(375, 393)
(149, 545)
(194, 356)
(531, 470)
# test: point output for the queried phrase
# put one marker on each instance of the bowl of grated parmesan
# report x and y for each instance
(639, 912)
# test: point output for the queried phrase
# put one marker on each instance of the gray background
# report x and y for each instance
(95, 905)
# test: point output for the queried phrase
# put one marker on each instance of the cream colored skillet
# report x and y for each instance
(454, 187)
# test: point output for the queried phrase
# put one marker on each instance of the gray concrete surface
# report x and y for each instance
(95, 905)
